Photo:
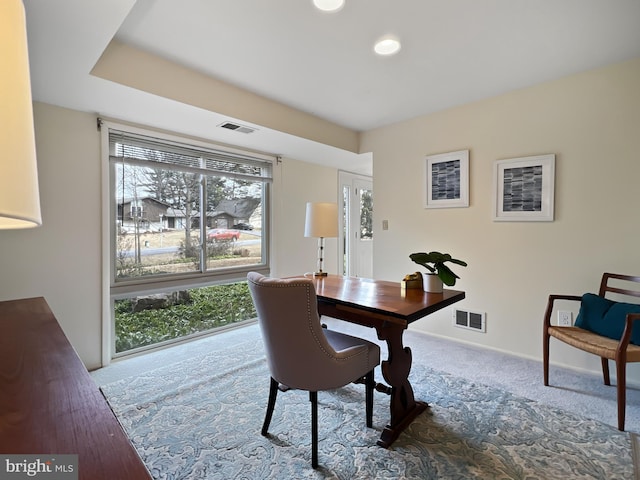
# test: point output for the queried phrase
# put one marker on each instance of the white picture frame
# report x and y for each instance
(446, 180)
(524, 189)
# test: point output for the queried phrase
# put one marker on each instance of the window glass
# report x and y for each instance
(187, 222)
(346, 205)
(366, 214)
(156, 215)
(151, 320)
(180, 210)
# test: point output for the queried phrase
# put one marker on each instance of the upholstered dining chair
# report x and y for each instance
(303, 355)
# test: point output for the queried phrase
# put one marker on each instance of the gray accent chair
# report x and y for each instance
(303, 355)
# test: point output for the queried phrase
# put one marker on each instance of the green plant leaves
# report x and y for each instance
(434, 262)
(210, 307)
(447, 276)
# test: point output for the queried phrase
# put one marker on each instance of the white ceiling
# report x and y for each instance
(453, 52)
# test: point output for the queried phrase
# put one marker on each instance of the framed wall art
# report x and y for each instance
(446, 180)
(524, 189)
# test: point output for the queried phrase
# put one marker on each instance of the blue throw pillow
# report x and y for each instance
(606, 317)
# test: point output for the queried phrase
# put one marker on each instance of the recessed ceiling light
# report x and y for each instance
(387, 45)
(329, 5)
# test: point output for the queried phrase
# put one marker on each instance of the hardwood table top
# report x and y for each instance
(49, 404)
(382, 297)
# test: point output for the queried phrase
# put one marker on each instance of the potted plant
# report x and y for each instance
(438, 273)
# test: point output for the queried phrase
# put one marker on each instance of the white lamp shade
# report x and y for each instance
(321, 220)
(19, 198)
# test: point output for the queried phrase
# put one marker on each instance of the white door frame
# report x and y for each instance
(352, 261)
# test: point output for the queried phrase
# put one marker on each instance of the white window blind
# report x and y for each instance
(135, 148)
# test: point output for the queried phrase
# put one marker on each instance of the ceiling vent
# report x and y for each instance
(236, 127)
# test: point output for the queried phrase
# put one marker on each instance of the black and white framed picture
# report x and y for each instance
(524, 189)
(446, 180)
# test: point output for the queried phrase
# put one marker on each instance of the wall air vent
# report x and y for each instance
(236, 127)
(469, 320)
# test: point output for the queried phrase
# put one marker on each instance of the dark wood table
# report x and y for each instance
(50, 405)
(389, 309)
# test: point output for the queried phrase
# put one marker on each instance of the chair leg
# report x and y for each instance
(273, 393)
(621, 372)
(545, 356)
(605, 371)
(370, 384)
(313, 398)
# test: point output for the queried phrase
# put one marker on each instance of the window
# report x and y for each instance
(135, 211)
(181, 215)
(366, 214)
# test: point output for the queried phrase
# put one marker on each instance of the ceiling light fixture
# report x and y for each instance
(329, 5)
(387, 45)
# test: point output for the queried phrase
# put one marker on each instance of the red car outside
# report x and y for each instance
(218, 234)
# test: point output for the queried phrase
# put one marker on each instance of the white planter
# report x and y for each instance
(431, 283)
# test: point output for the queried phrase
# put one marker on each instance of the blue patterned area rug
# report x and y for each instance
(201, 418)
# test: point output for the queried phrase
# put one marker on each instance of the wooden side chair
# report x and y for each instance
(303, 355)
(603, 327)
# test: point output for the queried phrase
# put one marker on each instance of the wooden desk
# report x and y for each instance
(48, 402)
(389, 309)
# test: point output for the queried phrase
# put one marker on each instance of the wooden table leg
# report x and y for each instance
(395, 370)
(404, 408)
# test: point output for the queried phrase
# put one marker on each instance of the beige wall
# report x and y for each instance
(591, 122)
(144, 71)
(295, 184)
(61, 260)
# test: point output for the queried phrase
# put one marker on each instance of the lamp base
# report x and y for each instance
(320, 274)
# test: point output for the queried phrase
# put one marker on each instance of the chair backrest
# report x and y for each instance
(298, 353)
(621, 285)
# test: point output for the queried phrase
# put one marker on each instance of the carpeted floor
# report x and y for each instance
(195, 411)
(580, 393)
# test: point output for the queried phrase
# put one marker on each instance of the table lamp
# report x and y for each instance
(19, 198)
(321, 222)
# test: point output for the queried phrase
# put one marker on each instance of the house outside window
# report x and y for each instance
(182, 216)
